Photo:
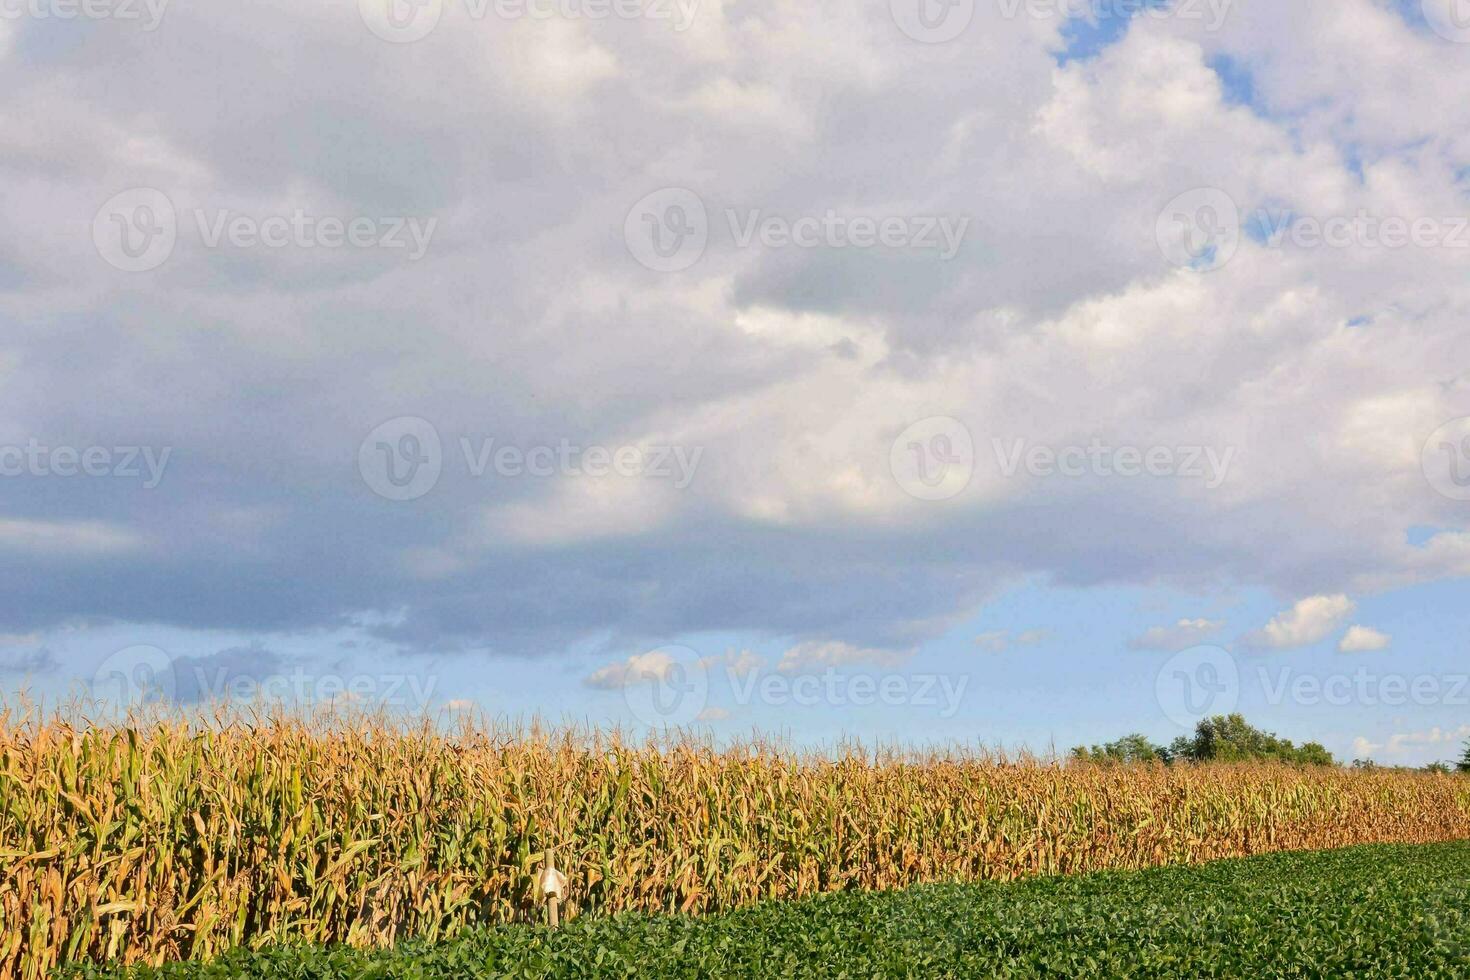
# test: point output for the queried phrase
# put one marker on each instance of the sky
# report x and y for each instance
(1009, 372)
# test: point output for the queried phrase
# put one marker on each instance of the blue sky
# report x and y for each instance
(725, 363)
(1038, 668)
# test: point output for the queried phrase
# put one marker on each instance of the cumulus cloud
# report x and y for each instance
(528, 321)
(738, 663)
(653, 665)
(1363, 639)
(1183, 634)
(821, 654)
(1309, 621)
(994, 641)
(1406, 742)
(66, 539)
(230, 674)
(26, 663)
(998, 641)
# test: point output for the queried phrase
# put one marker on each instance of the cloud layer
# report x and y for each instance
(792, 371)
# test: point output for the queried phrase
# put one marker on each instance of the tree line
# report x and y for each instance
(1230, 738)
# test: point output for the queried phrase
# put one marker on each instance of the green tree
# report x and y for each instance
(1128, 749)
(1464, 764)
(1230, 738)
(1223, 738)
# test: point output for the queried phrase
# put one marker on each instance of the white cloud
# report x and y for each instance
(738, 663)
(1307, 622)
(1059, 322)
(26, 663)
(998, 641)
(67, 538)
(1363, 639)
(994, 641)
(821, 654)
(612, 677)
(713, 713)
(1407, 742)
(1183, 634)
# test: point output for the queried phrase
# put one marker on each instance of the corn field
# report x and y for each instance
(168, 839)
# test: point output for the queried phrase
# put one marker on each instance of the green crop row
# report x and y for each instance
(1381, 911)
